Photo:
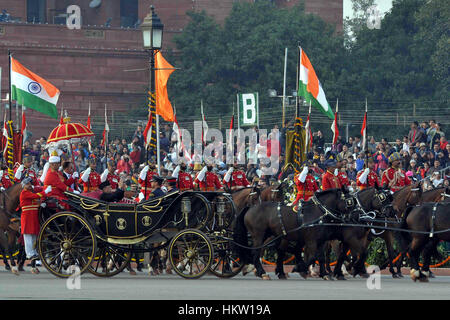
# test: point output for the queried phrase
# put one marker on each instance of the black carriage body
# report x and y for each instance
(132, 223)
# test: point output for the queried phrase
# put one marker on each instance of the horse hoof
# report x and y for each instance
(423, 279)
(432, 275)
(21, 268)
(415, 274)
(304, 275)
(340, 278)
(35, 271)
(282, 277)
(8, 267)
(265, 276)
(399, 274)
(15, 271)
(326, 278)
(132, 273)
(395, 276)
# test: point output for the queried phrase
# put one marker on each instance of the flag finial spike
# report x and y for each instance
(337, 104)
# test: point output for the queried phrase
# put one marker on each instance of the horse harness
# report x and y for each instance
(433, 218)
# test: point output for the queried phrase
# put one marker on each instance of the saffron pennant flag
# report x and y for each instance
(32, 91)
(163, 70)
(309, 86)
(334, 125)
(105, 131)
(147, 131)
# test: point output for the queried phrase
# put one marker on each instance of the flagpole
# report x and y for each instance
(297, 103)
(10, 93)
(284, 87)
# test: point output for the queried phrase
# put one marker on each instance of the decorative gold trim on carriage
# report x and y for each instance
(126, 240)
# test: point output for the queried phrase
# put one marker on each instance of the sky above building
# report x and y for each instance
(382, 5)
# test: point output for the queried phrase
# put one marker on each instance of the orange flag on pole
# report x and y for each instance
(162, 74)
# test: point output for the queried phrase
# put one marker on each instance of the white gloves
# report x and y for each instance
(1, 174)
(176, 171)
(85, 176)
(104, 175)
(144, 171)
(141, 196)
(303, 174)
(363, 176)
(76, 191)
(201, 174)
(228, 175)
(75, 175)
(2, 189)
(259, 173)
(336, 172)
(48, 190)
(44, 172)
(18, 174)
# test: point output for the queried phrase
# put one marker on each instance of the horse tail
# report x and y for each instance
(241, 239)
(405, 238)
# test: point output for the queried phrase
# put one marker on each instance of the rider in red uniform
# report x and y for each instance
(5, 182)
(342, 176)
(306, 186)
(109, 174)
(90, 178)
(184, 179)
(368, 177)
(208, 180)
(145, 180)
(329, 178)
(394, 178)
(25, 171)
(235, 178)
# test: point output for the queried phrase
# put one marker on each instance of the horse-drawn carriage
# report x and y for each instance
(100, 237)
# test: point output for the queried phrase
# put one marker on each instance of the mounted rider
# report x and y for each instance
(329, 178)
(306, 186)
(394, 177)
(25, 171)
(342, 176)
(90, 178)
(30, 201)
(368, 177)
(5, 182)
(207, 180)
(145, 180)
(110, 175)
(184, 179)
(235, 178)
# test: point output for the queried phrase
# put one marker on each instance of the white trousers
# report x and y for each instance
(30, 249)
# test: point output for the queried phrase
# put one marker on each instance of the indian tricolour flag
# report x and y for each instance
(32, 91)
(309, 86)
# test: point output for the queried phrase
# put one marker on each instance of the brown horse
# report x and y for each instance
(9, 201)
(273, 193)
(432, 221)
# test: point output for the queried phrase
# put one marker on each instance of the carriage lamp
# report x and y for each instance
(186, 208)
(220, 208)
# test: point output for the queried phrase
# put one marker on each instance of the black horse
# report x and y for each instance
(272, 219)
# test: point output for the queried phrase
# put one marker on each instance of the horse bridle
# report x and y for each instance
(328, 212)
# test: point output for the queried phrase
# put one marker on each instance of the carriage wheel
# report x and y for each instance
(200, 213)
(66, 239)
(225, 263)
(109, 260)
(190, 253)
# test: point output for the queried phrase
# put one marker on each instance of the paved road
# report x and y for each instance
(172, 287)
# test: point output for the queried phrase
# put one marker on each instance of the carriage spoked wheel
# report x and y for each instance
(66, 244)
(190, 253)
(225, 263)
(109, 260)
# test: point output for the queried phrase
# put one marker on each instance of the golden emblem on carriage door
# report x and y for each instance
(146, 221)
(98, 219)
(121, 224)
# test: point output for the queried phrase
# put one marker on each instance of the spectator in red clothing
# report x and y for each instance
(135, 155)
(124, 164)
(443, 143)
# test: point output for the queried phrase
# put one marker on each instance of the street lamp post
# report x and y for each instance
(152, 33)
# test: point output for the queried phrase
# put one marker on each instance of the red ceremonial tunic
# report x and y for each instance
(55, 179)
(330, 181)
(5, 182)
(305, 190)
(146, 188)
(343, 179)
(29, 203)
(395, 179)
(28, 173)
(185, 181)
(238, 178)
(371, 181)
(210, 182)
(92, 183)
(113, 180)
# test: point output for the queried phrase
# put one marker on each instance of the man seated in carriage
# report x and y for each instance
(110, 195)
(156, 184)
(171, 184)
